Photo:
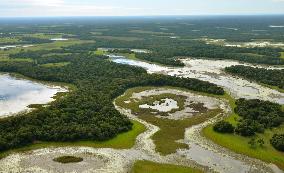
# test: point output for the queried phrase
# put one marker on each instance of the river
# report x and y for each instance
(213, 71)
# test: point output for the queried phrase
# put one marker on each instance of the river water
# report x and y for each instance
(212, 71)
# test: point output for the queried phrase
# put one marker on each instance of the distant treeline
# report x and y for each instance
(164, 51)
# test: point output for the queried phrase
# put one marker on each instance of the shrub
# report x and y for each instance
(252, 143)
(249, 127)
(223, 127)
(260, 142)
(277, 141)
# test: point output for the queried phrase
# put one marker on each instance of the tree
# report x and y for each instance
(260, 142)
(223, 127)
(277, 141)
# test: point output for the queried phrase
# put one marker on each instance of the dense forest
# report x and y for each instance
(67, 119)
(165, 50)
(165, 38)
(266, 76)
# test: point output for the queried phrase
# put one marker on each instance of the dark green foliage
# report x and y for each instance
(257, 115)
(266, 76)
(277, 141)
(160, 58)
(68, 159)
(223, 127)
(120, 51)
(260, 142)
(87, 113)
(34, 40)
(249, 127)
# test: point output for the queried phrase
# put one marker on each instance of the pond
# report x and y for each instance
(16, 94)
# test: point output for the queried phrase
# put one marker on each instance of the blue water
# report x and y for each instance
(11, 87)
(16, 94)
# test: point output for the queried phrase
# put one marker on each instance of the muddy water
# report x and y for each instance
(212, 71)
(16, 94)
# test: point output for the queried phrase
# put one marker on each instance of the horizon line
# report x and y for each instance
(160, 15)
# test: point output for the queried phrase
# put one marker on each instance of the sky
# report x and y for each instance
(39, 8)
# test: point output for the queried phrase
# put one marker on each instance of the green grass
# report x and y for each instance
(273, 87)
(282, 55)
(8, 40)
(134, 106)
(68, 159)
(97, 33)
(239, 144)
(60, 64)
(43, 35)
(129, 55)
(173, 130)
(6, 59)
(119, 38)
(122, 141)
(152, 167)
(251, 54)
(45, 46)
(57, 44)
(170, 130)
(100, 52)
(150, 32)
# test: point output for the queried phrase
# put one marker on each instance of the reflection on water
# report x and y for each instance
(17, 94)
(212, 71)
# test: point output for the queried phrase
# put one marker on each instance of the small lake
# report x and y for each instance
(16, 94)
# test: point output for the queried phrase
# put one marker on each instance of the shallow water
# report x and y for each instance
(59, 39)
(212, 71)
(16, 94)
(165, 105)
(14, 46)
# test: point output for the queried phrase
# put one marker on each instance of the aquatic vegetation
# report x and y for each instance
(68, 159)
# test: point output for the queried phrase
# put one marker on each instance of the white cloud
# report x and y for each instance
(41, 3)
(54, 7)
(109, 8)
